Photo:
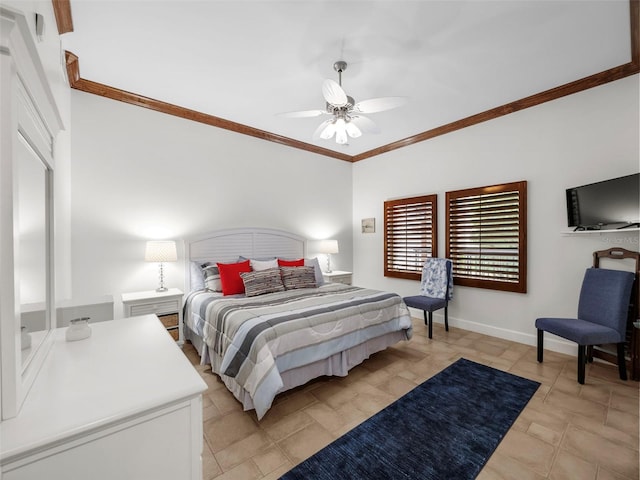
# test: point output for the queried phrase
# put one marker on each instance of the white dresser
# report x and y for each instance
(123, 404)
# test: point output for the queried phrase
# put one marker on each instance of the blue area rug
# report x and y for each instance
(446, 428)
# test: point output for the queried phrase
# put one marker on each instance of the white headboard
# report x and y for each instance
(227, 245)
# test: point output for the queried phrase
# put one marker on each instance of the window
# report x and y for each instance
(410, 235)
(486, 236)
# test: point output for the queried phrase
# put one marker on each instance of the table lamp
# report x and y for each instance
(161, 251)
(328, 247)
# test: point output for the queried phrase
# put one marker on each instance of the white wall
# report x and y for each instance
(140, 175)
(579, 139)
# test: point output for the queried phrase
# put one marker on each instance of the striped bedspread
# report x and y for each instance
(259, 337)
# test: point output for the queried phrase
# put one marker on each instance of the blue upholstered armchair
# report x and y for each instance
(436, 289)
(603, 309)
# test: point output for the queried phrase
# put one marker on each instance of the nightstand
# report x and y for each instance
(167, 306)
(337, 276)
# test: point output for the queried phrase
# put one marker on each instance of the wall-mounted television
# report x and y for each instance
(613, 203)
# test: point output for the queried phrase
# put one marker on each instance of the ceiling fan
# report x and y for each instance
(346, 120)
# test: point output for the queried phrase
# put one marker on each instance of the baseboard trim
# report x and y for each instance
(551, 342)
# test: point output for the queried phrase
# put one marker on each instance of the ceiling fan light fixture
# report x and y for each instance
(346, 121)
(328, 131)
(352, 130)
(341, 136)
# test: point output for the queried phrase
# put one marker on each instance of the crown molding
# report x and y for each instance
(78, 83)
(595, 80)
(586, 83)
(62, 12)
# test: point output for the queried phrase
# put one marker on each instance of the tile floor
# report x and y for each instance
(567, 431)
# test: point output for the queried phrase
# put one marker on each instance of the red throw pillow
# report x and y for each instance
(291, 263)
(230, 276)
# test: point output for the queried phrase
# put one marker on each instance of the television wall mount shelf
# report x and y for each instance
(592, 232)
(598, 228)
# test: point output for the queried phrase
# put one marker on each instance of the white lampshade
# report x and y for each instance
(328, 246)
(161, 251)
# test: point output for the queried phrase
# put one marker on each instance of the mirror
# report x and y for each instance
(30, 122)
(31, 227)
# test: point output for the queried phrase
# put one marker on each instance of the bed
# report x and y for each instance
(262, 344)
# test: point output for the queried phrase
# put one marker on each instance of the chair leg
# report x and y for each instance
(430, 324)
(540, 344)
(446, 318)
(622, 363)
(590, 354)
(582, 356)
(427, 322)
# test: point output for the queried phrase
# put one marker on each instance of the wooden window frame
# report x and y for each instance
(429, 227)
(484, 272)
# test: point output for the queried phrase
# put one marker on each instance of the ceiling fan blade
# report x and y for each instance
(333, 93)
(302, 114)
(381, 104)
(325, 130)
(364, 124)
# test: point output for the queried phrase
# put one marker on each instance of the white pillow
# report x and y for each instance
(257, 265)
(197, 276)
(313, 262)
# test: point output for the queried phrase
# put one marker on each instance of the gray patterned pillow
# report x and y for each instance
(212, 278)
(313, 262)
(298, 277)
(259, 282)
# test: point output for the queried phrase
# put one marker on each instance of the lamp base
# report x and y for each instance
(161, 288)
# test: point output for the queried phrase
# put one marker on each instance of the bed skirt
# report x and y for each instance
(338, 364)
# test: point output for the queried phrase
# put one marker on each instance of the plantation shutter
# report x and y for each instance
(410, 226)
(486, 236)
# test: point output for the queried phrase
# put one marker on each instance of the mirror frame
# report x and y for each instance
(45, 183)
(28, 110)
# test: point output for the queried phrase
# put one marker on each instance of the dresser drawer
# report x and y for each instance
(346, 279)
(338, 277)
(159, 308)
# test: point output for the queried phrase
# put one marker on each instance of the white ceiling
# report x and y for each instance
(246, 61)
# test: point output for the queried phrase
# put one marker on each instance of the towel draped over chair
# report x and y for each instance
(437, 281)
(436, 289)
